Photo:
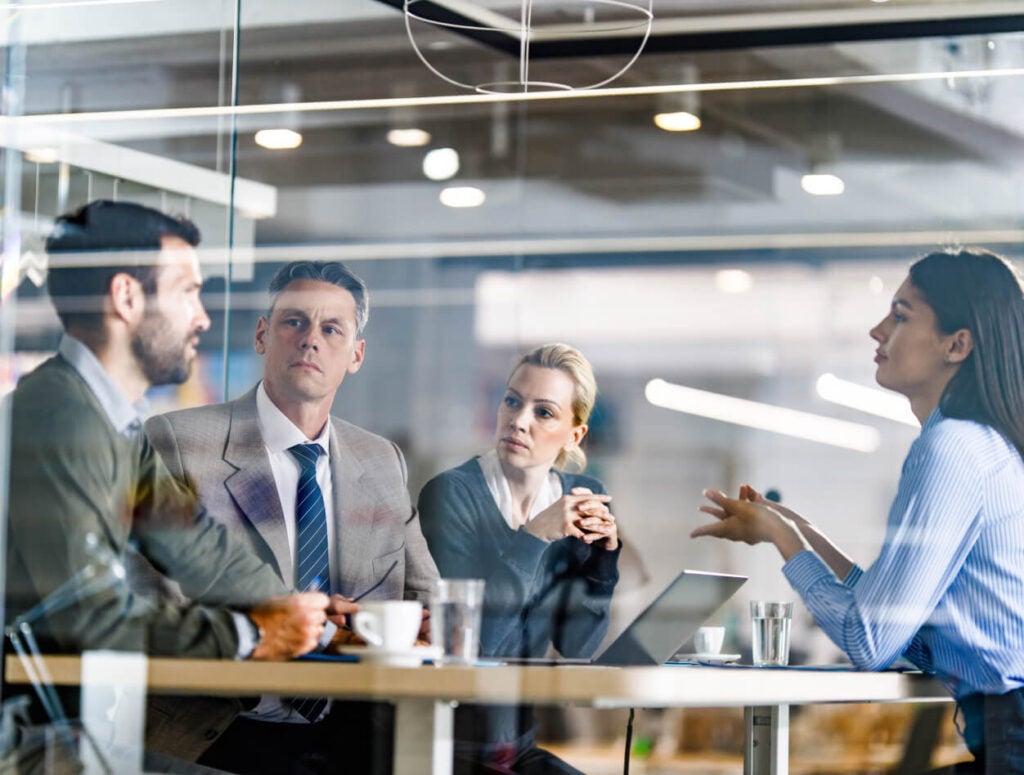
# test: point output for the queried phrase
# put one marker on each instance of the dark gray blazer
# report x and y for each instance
(72, 475)
(219, 451)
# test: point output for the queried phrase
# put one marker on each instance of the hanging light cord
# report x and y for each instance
(629, 742)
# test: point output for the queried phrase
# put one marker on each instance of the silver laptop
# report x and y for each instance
(667, 623)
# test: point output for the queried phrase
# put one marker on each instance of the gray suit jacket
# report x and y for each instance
(219, 451)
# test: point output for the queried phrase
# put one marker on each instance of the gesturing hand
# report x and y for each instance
(291, 626)
(739, 519)
(749, 519)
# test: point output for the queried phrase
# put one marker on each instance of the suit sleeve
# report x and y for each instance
(451, 526)
(183, 542)
(63, 475)
(420, 569)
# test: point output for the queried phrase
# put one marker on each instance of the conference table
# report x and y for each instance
(424, 696)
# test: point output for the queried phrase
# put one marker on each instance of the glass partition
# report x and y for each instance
(746, 257)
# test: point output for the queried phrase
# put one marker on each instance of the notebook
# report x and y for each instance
(665, 624)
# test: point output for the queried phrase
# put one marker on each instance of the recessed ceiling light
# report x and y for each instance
(462, 196)
(441, 163)
(822, 184)
(408, 138)
(678, 121)
(278, 139)
(733, 281)
(42, 155)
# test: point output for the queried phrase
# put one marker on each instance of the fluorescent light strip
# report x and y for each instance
(470, 99)
(376, 251)
(866, 399)
(752, 414)
(68, 4)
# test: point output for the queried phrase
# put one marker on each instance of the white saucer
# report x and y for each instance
(411, 657)
(708, 658)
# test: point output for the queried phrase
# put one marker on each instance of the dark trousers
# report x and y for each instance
(355, 737)
(993, 728)
(531, 761)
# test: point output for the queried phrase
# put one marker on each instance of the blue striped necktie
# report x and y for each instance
(312, 556)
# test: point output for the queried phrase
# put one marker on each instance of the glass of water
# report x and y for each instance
(455, 612)
(770, 624)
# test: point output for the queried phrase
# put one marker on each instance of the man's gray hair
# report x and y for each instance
(333, 272)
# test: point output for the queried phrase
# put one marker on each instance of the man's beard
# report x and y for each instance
(162, 359)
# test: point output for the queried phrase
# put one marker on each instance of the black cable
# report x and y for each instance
(629, 742)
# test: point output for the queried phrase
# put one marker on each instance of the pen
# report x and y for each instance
(361, 595)
(383, 578)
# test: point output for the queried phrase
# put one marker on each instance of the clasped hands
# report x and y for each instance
(582, 514)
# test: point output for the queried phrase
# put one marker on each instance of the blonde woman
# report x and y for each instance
(542, 538)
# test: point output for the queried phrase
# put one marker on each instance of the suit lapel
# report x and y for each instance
(350, 534)
(252, 485)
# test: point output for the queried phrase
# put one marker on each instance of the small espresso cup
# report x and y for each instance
(389, 625)
(709, 640)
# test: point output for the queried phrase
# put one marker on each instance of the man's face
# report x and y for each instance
(309, 343)
(164, 343)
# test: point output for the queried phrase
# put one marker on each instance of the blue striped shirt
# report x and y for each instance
(947, 590)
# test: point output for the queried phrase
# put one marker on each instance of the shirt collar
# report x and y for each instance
(280, 433)
(125, 416)
(933, 419)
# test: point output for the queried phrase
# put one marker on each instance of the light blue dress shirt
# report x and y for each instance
(947, 590)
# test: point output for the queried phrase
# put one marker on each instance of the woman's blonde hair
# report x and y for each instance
(571, 361)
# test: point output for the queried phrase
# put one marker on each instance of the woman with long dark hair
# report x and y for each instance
(947, 589)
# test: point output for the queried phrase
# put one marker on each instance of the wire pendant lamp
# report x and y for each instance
(625, 18)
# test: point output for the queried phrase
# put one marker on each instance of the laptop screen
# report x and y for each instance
(671, 619)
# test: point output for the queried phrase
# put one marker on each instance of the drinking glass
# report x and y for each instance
(455, 613)
(770, 622)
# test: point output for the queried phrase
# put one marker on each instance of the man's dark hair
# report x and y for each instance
(333, 272)
(102, 239)
(980, 291)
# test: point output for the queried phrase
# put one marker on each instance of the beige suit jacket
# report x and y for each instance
(219, 451)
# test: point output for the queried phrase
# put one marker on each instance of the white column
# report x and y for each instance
(423, 737)
(113, 711)
(766, 751)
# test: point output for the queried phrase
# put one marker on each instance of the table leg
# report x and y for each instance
(766, 751)
(423, 737)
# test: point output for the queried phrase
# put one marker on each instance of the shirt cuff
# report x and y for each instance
(804, 569)
(853, 576)
(329, 629)
(603, 564)
(246, 640)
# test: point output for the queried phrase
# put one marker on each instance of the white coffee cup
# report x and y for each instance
(389, 625)
(709, 640)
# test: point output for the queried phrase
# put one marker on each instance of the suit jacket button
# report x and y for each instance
(210, 734)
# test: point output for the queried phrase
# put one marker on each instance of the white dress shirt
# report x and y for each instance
(279, 433)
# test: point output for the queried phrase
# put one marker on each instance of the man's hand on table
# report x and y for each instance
(423, 638)
(289, 626)
(338, 611)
